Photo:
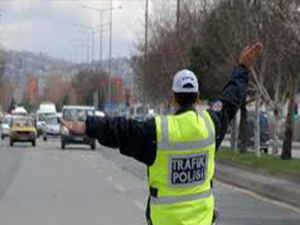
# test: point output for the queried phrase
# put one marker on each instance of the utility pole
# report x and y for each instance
(146, 56)
(90, 31)
(110, 49)
(178, 16)
(101, 40)
(93, 46)
(101, 11)
(88, 52)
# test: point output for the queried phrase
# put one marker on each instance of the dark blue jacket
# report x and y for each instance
(138, 139)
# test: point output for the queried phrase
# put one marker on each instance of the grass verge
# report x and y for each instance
(267, 163)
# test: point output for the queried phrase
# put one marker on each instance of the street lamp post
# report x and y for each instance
(101, 40)
(92, 32)
(101, 11)
(110, 38)
(145, 57)
(110, 9)
(178, 16)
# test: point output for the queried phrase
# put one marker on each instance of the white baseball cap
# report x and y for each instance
(185, 81)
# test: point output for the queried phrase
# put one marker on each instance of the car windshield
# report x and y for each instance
(43, 116)
(21, 121)
(75, 115)
(6, 120)
(140, 110)
(51, 120)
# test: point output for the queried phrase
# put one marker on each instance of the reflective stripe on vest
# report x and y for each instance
(166, 145)
(178, 199)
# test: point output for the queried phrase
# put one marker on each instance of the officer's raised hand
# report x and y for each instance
(250, 55)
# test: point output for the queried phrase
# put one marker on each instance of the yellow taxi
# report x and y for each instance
(22, 130)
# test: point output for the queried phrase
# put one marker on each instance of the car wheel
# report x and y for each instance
(93, 145)
(264, 150)
(45, 138)
(33, 143)
(2, 137)
(11, 143)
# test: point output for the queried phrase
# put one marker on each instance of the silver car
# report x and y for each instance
(51, 127)
(5, 126)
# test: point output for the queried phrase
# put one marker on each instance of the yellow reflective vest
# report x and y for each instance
(183, 170)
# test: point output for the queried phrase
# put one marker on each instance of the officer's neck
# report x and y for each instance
(185, 109)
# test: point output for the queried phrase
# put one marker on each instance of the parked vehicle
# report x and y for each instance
(71, 115)
(141, 113)
(22, 130)
(99, 113)
(5, 126)
(264, 131)
(51, 127)
(46, 109)
(151, 113)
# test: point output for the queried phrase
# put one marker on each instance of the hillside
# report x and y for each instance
(20, 66)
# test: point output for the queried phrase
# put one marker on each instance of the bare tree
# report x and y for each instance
(86, 83)
(6, 94)
(212, 34)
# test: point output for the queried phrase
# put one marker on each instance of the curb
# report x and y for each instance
(271, 187)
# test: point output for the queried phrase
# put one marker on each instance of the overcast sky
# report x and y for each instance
(52, 26)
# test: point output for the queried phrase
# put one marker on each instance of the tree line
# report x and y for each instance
(68, 89)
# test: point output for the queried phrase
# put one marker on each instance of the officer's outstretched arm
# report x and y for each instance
(234, 92)
(134, 139)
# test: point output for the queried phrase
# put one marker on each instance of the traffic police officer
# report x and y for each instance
(179, 149)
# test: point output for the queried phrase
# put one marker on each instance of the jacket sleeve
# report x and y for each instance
(225, 108)
(134, 139)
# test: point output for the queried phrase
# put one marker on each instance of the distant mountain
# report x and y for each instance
(27, 63)
(19, 66)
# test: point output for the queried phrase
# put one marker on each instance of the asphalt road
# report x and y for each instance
(47, 186)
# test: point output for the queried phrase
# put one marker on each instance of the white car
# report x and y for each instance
(19, 111)
(5, 126)
(51, 127)
(41, 119)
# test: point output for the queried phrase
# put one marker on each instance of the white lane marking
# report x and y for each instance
(139, 205)
(108, 178)
(95, 166)
(119, 188)
(84, 158)
(265, 199)
(99, 171)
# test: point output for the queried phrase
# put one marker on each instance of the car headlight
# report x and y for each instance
(65, 131)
